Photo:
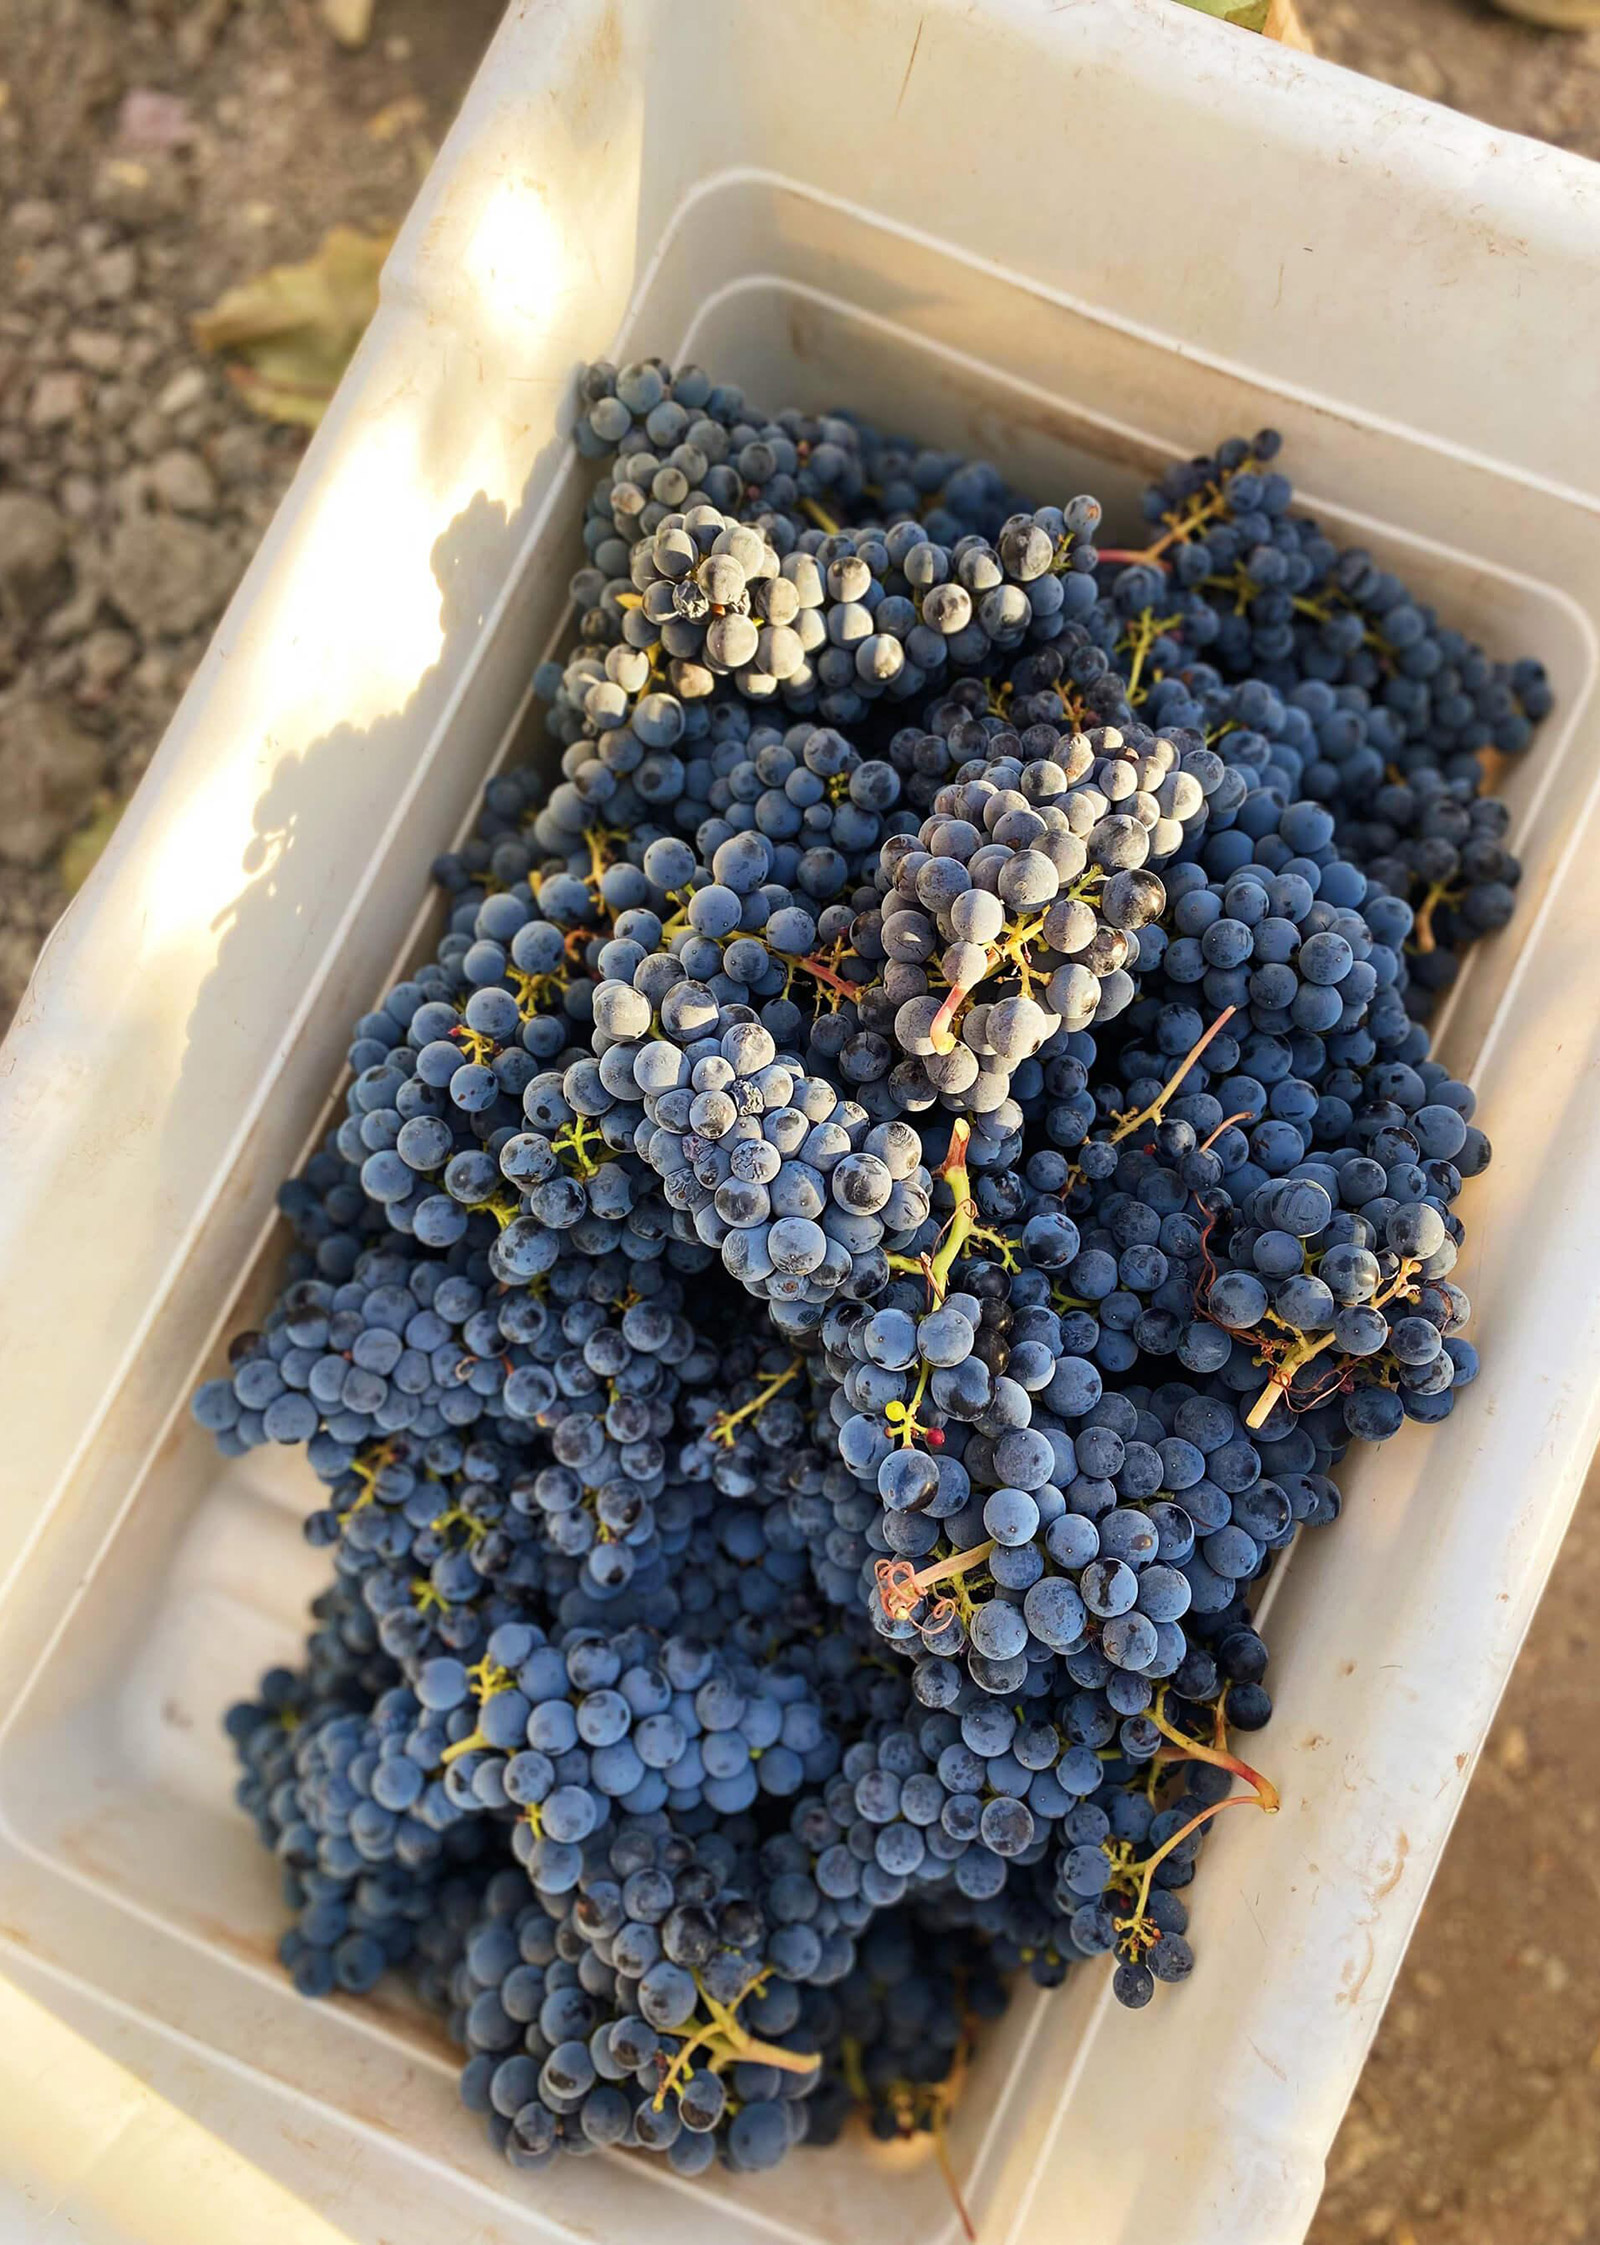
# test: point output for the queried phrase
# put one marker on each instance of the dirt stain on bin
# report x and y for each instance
(911, 65)
(1391, 1878)
(1354, 1977)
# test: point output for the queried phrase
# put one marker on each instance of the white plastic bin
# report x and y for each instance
(1078, 238)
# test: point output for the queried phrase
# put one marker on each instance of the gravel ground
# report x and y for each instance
(1468, 55)
(152, 154)
(166, 149)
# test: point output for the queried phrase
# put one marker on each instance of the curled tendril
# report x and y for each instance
(902, 1586)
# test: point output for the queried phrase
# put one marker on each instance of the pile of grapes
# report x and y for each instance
(915, 1158)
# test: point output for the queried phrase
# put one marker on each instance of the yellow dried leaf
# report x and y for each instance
(288, 335)
(81, 851)
(1247, 15)
(350, 21)
(395, 118)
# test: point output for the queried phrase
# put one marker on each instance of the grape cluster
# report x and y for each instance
(914, 1158)
(767, 1164)
(652, 1999)
(1434, 839)
(1272, 626)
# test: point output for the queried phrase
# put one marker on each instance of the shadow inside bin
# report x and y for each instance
(396, 791)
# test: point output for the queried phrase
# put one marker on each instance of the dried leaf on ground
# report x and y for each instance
(288, 335)
(1283, 24)
(397, 117)
(81, 852)
(1248, 15)
(350, 21)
